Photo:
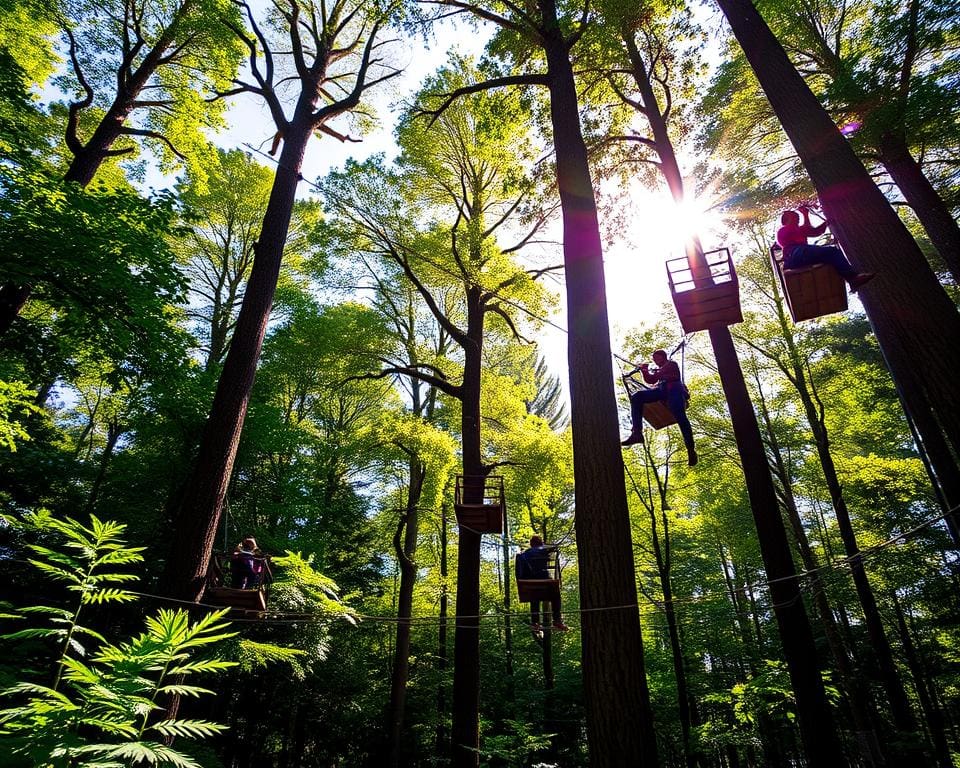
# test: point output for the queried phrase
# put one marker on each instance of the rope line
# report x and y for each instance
(838, 567)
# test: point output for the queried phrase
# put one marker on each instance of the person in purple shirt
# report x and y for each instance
(797, 253)
(668, 388)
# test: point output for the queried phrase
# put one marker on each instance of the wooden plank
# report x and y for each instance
(482, 518)
(658, 415)
(814, 292)
(703, 308)
(529, 590)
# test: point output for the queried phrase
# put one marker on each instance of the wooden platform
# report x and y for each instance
(529, 590)
(704, 303)
(242, 600)
(812, 291)
(479, 503)
(656, 414)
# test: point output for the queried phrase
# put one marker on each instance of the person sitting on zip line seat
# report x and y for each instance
(246, 565)
(532, 563)
(798, 254)
(668, 388)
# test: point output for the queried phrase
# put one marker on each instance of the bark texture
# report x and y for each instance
(619, 718)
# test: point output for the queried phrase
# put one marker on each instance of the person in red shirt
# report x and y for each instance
(797, 254)
(670, 389)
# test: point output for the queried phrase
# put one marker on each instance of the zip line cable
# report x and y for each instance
(836, 568)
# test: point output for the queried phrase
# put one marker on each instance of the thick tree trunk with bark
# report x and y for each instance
(816, 724)
(12, 299)
(915, 322)
(200, 509)
(619, 717)
(934, 215)
(465, 732)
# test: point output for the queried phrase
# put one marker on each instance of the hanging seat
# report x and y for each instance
(224, 591)
(811, 291)
(479, 503)
(702, 305)
(656, 414)
(529, 590)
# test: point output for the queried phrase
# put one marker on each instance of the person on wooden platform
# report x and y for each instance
(797, 253)
(668, 388)
(532, 564)
(246, 565)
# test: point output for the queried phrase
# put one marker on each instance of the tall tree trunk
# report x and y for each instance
(915, 322)
(406, 553)
(508, 616)
(820, 742)
(662, 557)
(619, 717)
(441, 747)
(12, 299)
(858, 697)
(813, 712)
(465, 732)
(934, 215)
(114, 430)
(931, 710)
(203, 496)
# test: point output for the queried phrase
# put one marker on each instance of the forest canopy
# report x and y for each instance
(321, 326)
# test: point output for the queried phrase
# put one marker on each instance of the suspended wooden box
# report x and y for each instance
(656, 414)
(529, 590)
(479, 503)
(811, 291)
(220, 589)
(702, 304)
(243, 600)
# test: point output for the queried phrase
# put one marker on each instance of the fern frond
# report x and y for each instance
(112, 578)
(78, 630)
(189, 728)
(42, 691)
(107, 596)
(184, 690)
(35, 632)
(202, 665)
(58, 574)
(149, 752)
(123, 556)
(112, 727)
(47, 610)
(76, 671)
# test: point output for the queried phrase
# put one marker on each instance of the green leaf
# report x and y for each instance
(48, 610)
(36, 632)
(204, 665)
(188, 728)
(108, 596)
(184, 690)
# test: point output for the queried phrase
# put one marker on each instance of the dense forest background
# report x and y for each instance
(202, 341)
